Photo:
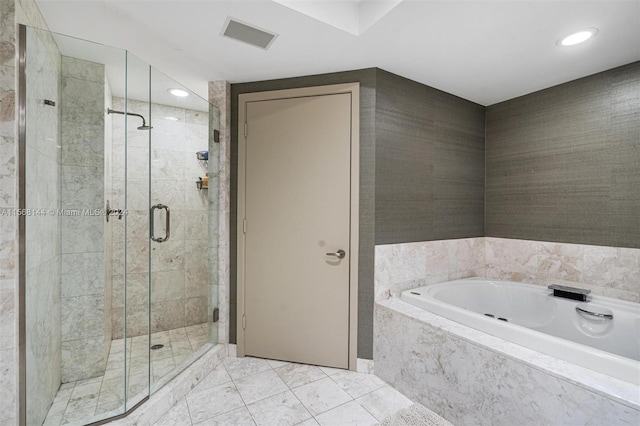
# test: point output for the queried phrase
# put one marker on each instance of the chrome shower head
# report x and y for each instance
(144, 122)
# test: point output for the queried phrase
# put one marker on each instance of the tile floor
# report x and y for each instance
(103, 396)
(253, 391)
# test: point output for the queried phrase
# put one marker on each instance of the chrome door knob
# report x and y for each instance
(340, 254)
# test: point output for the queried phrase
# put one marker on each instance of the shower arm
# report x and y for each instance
(113, 111)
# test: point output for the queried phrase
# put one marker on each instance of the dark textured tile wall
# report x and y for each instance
(423, 149)
(563, 164)
(366, 78)
(429, 163)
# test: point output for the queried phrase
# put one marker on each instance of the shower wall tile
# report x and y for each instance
(7, 101)
(82, 234)
(167, 285)
(196, 253)
(83, 359)
(82, 187)
(8, 315)
(8, 386)
(8, 233)
(7, 171)
(167, 315)
(196, 282)
(82, 317)
(168, 256)
(83, 70)
(83, 145)
(167, 164)
(82, 274)
(137, 289)
(196, 310)
(196, 225)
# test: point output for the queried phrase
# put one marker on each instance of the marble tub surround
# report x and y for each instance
(469, 377)
(254, 391)
(607, 271)
(400, 267)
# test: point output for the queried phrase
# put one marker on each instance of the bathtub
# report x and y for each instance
(529, 316)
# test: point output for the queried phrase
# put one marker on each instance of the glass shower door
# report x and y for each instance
(180, 158)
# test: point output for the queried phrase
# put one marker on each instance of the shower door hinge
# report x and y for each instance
(244, 226)
(245, 130)
(244, 322)
(216, 314)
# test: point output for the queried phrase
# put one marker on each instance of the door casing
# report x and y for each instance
(354, 90)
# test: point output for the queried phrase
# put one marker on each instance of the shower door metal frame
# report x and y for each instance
(22, 234)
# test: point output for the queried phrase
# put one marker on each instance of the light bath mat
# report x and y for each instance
(416, 415)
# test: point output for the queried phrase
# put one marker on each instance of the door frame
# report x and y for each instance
(354, 90)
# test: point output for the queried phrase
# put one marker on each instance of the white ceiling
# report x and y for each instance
(484, 51)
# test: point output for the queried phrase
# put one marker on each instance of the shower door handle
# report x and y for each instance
(167, 229)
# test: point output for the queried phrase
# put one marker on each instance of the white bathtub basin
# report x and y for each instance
(539, 321)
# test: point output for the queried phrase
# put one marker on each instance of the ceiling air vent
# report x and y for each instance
(248, 34)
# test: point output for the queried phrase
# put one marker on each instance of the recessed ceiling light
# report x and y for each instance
(171, 118)
(179, 93)
(577, 38)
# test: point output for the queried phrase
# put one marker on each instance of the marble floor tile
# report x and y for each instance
(310, 422)
(238, 417)
(217, 377)
(321, 395)
(350, 413)
(259, 386)
(384, 402)
(211, 402)
(357, 384)
(274, 363)
(295, 375)
(329, 371)
(281, 409)
(241, 367)
(178, 415)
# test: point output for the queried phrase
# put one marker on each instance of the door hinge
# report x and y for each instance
(245, 130)
(244, 322)
(244, 226)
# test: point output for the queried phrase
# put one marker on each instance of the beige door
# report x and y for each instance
(297, 248)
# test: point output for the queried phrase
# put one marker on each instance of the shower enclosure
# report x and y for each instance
(119, 189)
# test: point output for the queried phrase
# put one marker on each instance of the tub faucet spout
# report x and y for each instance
(567, 292)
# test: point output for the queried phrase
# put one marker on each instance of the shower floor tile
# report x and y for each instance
(84, 401)
(255, 392)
